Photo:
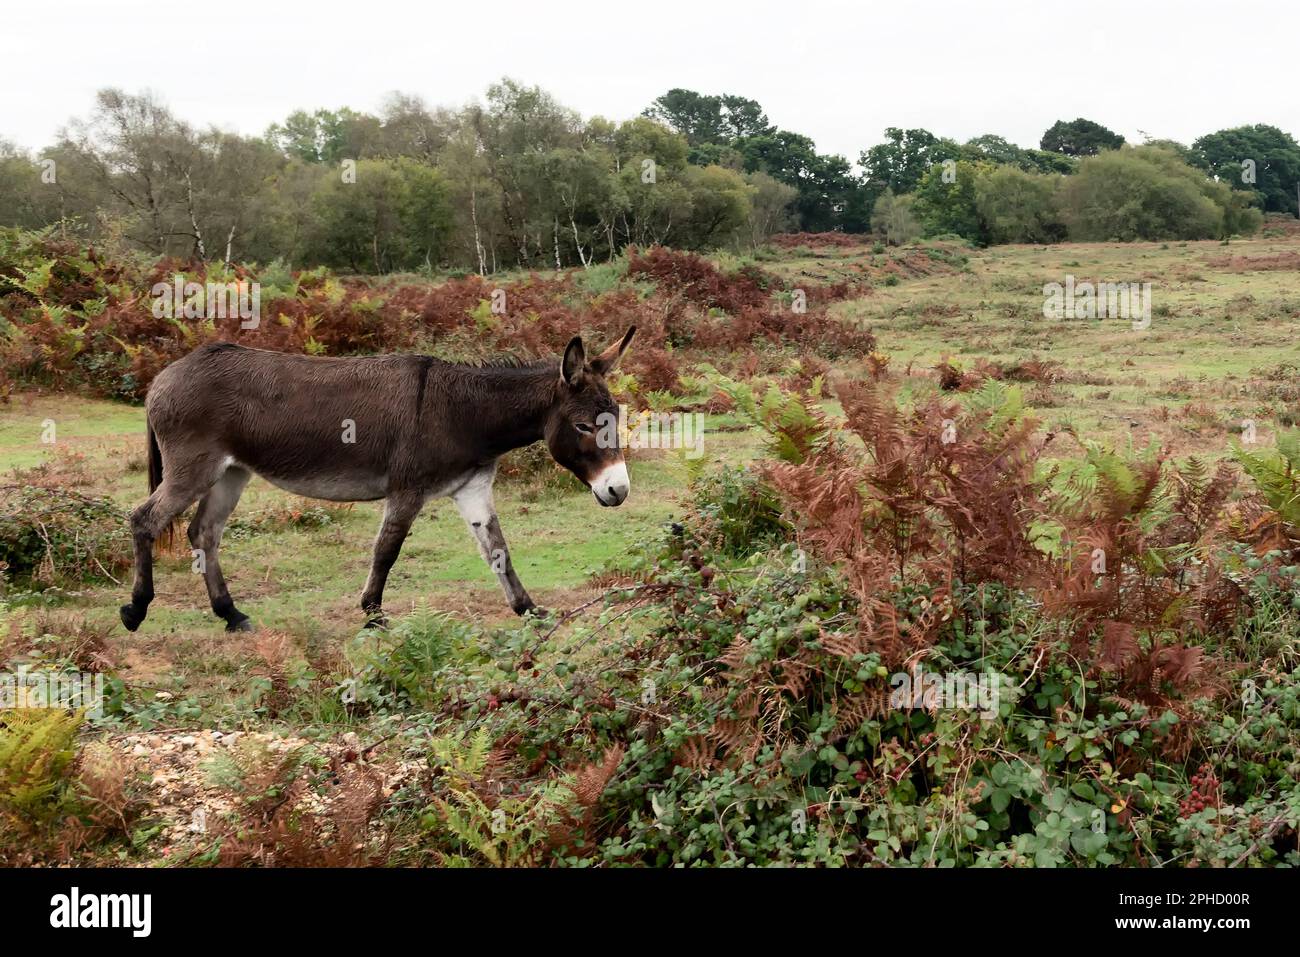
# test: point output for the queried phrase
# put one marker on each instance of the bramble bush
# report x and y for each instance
(60, 535)
(747, 669)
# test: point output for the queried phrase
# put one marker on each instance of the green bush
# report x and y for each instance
(1019, 207)
(1147, 193)
(756, 722)
(738, 513)
(58, 535)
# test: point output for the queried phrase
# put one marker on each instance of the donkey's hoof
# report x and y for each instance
(131, 617)
(240, 623)
(377, 620)
(535, 611)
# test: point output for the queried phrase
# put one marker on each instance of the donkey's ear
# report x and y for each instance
(575, 358)
(607, 361)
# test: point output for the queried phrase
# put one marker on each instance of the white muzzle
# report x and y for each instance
(612, 485)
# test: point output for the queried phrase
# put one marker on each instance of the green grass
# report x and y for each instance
(1215, 335)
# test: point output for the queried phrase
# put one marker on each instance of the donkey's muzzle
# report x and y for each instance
(611, 486)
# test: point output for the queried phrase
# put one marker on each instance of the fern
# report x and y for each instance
(37, 746)
(1275, 474)
(795, 425)
(506, 831)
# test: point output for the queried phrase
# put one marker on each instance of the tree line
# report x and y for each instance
(521, 181)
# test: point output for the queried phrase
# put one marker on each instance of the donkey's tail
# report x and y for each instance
(155, 460)
(167, 539)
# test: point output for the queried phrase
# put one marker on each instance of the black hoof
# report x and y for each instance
(535, 611)
(131, 616)
(377, 619)
(239, 622)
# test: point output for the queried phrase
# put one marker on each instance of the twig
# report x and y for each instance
(1273, 825)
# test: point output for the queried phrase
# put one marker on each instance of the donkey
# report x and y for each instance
(403, 428)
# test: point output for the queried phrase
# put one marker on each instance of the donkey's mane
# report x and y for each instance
(504, 363)
(508, 361)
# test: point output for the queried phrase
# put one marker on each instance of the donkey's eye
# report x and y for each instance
(584, 428)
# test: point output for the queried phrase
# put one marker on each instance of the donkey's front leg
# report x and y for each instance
(474, 499)
(400, 510)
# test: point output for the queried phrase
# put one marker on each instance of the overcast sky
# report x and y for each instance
(839, 72)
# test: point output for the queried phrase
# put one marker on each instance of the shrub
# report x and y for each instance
(737, 513)
(69, 318)
(756, 706)
(893, 219)
(1018, 207)
(57, 535)
(1149, 193)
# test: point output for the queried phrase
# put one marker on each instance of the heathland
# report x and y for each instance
(907, 470)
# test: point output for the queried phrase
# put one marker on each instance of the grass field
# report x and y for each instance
(1223, 347)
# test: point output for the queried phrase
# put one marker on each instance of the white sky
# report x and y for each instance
(839, 72)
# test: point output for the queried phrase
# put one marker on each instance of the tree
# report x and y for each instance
(719, 205)
(146, 166)
(1264, 154)
(518, 128)
(771, 207)
(899, 163)
(1080, 138)
(716, 120)
(1182, 151)
(694, 115)
(743, 117)
(826, 185)
(892, 219)
(1146, 192)
(326, 136)
(946, 201)
(27, 196)
(1045, 161)
(716, 154)
(1018, 207)
(581, 192)
(995, 149)
(238, 185)
(395, 216)
(411, 128)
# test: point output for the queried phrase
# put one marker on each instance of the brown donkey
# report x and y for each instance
(404, 428)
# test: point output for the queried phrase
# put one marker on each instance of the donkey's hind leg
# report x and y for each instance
(205, 535)
(179, 490)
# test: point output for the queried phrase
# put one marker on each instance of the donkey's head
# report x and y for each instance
(582, 427)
